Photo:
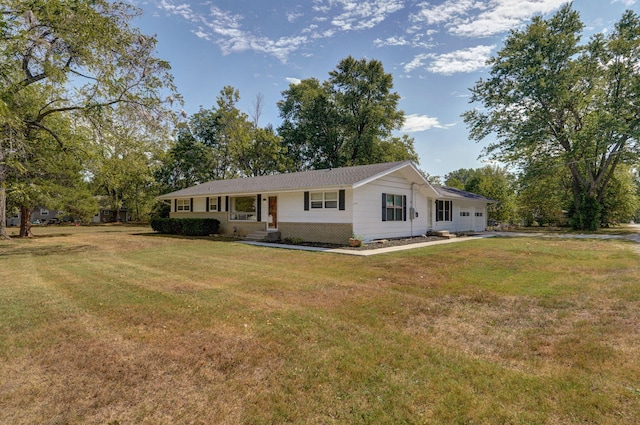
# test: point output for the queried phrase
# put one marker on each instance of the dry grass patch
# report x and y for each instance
(117, 326)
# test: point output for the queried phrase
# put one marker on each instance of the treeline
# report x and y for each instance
(346, 120)
(543, 196)
(89, 117)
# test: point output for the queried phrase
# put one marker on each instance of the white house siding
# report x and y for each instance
(291, 209)
(367, 209)
(463, 223)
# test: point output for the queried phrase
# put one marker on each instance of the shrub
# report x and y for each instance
(186, 226)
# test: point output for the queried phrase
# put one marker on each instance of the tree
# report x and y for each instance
(123, 162)
(265, 154)
(459, 178)
(46, 173)
(621, 199)
(75, 58)
(222, 143)
(544, 194)
(550, 99)
(187, 162)
(347, 120)
(225, 130)
(491, 181)
(310, 127)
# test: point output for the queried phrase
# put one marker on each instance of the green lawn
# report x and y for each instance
(116, 325)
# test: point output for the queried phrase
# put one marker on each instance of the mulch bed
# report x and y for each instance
(382, 243)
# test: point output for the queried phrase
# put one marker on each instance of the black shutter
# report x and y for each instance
(259, 206)
(384, 207)
(207, 206)
(219, 206)
(191, 204)
(341, 200)
(404, 208)
(175, 205)
(226, 203)
(306, 201)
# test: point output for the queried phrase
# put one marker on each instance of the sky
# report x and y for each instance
(436, 51)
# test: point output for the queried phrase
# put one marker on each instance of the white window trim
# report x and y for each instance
(234, 215)
(323, 201)
(183, 205)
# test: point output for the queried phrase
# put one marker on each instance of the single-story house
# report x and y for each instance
(374, 201)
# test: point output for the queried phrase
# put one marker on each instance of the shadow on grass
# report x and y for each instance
(184, 237)
(15, 250)
(49, 235)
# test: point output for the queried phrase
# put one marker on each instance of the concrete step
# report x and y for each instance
(263, 236)
(441, 233)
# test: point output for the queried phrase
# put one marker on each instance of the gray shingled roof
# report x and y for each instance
(452, 192)
(346, 176)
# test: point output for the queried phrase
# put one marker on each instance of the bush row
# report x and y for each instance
(186, 226)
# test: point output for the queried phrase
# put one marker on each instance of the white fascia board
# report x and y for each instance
(418, 177)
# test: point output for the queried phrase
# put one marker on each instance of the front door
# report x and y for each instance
(273, 212)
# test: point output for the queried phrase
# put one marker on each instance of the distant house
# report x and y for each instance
(108, 215)
(375, 201)
(39, 215)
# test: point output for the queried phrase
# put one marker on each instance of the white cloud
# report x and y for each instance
(201, 34)
(391, 41)
(465, 60)
(473, 18)
(292, 17)
(183, 10)
(506, 14)
(365, 15)
(354, 15)
(415, 123)
(445, 12)
(293, 80)
(627, 3)
(416, 62)
(226, 30)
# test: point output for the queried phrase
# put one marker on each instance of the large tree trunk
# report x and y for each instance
(3, 196)
(3, 212)
(25, 222)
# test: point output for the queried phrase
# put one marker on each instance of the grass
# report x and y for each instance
(115, 325)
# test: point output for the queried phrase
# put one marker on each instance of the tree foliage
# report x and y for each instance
(74, 58)
(346, 120)
(550, 99)
(491, 181)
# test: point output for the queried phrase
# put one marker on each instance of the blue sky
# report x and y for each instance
(435, 50)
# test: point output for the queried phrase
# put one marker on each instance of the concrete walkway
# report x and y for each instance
(366, 253)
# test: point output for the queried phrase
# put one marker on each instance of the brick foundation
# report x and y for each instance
(338, 233)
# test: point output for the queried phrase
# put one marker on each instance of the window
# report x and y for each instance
(465, 214)
(44, 212)
(478, 214)
(243, 208)
(213, 204)
(183, 205)
(323, 200)
(444, 210)
(394, 207)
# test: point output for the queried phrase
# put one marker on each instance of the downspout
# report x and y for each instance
(412, 211)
